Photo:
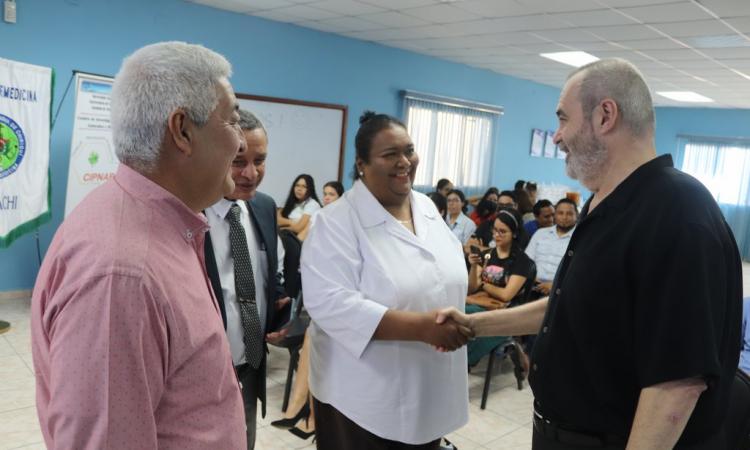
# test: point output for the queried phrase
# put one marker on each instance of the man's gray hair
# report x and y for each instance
(249, 121)
(621, 81)
(153, 82)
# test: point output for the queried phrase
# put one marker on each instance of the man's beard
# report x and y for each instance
(565, 229)
(588, 158)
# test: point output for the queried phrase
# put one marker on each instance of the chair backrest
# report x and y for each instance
(738, 417)
(529, 284)
(292, 252)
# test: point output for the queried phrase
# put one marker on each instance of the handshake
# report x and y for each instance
(447, 329)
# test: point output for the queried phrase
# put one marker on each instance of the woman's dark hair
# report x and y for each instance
(460, 195)
(520, 235)
(338, 187)
(291, 200)
(440, 203)
(370, 124)
(530, 187)
(485, 209)
(442, 183)
(519, 186)
(524, 202)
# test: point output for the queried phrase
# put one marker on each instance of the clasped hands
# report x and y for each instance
(450, 329)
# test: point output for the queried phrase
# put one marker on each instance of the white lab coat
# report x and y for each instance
(357, 262)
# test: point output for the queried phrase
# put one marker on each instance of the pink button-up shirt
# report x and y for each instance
(128, 344)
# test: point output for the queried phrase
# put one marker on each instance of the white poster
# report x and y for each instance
(92, 155)
(25, 102)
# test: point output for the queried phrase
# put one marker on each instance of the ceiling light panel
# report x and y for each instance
(575, 59)
(685, 96)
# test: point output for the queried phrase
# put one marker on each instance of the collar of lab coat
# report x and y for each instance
(371, 214)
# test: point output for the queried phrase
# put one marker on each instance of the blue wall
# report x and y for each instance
(671, 122)
(278, 60)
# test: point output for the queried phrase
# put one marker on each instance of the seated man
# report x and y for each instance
(544, 216)
(548, 245)
(745, 350)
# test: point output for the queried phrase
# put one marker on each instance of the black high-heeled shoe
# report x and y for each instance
(286, 424)
(304, 435)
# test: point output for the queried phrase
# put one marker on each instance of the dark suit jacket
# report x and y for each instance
(263, 216)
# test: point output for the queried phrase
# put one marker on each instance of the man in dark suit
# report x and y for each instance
(242, 263)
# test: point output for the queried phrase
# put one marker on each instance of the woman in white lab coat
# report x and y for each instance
(376, 267)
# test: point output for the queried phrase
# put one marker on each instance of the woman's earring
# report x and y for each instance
(361, 174)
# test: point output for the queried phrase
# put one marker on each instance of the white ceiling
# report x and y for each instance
(679, 45)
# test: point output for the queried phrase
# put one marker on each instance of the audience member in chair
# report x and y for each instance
(299, 416)
(525, 206)
(444, 186)
(486, 207)
(456, 218)
(374, 381)
(484, 233)
(547, 247)
(332, 191)
(496, 280)
(301, 204)
(241, 261)
(544, 216)
(128, 346)
(440, 203)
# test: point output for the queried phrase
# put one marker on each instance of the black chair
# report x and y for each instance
(293, 343)
(738, 416)
(491, 363)
(292, 252)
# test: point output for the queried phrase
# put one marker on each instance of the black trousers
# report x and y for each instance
(334, 431)
(248, 378)
(540, 442)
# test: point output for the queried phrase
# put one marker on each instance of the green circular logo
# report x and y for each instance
(12, 146)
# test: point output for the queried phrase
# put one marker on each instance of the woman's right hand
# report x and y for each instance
(475, 259)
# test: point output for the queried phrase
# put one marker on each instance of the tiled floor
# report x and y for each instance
(505, 424)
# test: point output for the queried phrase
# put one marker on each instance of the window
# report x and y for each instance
(724, 168)
(453, 139)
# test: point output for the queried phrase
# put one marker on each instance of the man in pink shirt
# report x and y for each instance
(128, 344)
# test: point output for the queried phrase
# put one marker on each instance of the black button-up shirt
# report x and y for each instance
(649, 291)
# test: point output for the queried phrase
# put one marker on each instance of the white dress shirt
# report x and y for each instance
(216, 216)
(547, 248)
(358, 262)
(463, 227)
(309, 207)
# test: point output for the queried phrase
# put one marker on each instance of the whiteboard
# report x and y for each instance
(303, 137)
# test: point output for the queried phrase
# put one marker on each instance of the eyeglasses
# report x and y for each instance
(500, 232)
(454, 200)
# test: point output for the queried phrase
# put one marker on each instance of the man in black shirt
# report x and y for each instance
(639, 340)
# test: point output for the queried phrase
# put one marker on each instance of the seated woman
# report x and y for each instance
(299, 417)
(331, 192)
(301, 203)
(486, 207)
(496, 280)
(457, 220)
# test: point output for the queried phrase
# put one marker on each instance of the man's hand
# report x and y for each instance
(276, 337)
(544, 287)
(450, 320)
(448, 336)
(282, 302)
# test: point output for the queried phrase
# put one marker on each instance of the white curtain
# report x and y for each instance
(724, 168)
(452, 142)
